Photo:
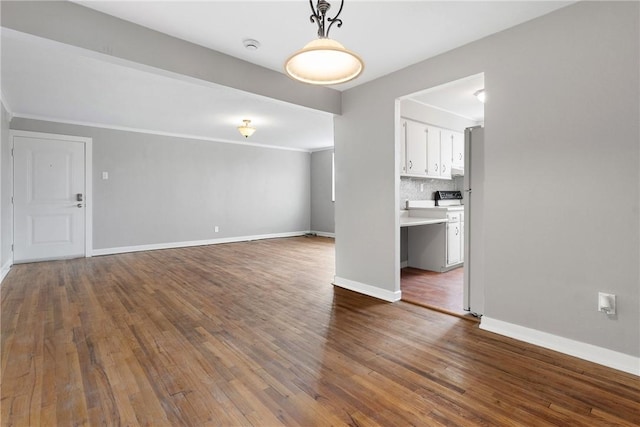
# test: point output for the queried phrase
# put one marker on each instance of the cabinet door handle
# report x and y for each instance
(410, 164)
(457, 231)
(436, 167)
(460, 154)
(444, 168)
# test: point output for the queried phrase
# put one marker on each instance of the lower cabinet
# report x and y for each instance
(437, 247)
(462, 237)
(453, 243)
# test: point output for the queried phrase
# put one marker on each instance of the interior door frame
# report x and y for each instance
(88, 181)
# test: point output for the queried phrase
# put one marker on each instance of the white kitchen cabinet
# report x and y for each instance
(428, 151)
(446, 141)
(437, 247)
(403, 147)
(415, 141)
(439, 152)
(454, 236)
(433, 152)
(462, 237)
(457, 158)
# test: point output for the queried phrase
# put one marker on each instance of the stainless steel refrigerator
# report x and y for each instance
(473, 199)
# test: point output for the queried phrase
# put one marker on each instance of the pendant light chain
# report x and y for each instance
(319, 17)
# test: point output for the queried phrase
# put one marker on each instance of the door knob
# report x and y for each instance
(79, 205)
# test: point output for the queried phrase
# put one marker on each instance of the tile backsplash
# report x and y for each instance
(410, 188)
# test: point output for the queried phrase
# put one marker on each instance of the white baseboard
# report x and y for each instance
(581, 350)
(174, 245)
(5, 270)
(372, 291)
(404, 264)
(323, 234)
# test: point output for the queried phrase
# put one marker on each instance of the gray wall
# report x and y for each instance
(166, 189)
(322, 209)
(563, 114)
(6, 190)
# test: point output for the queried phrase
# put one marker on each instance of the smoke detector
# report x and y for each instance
(251, 44)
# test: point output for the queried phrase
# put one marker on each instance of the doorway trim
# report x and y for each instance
(88, 181)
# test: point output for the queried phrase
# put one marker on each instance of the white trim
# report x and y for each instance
(88, 178)
(363, 288)
(323, 234)
(5, 102)
(5, 270)
(88, 199)
(174, 245)
(315, 150)
(444, 110)
(47, 135)
(404, 264)
(592, 353)
(153, 132)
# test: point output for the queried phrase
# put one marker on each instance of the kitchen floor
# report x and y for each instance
(437, 291)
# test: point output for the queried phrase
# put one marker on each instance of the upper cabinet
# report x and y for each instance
(429, 151)
(458, 150)
(415, 148)
(438, 154)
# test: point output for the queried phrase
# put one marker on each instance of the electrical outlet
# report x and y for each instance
(216, 229)
(607, 303)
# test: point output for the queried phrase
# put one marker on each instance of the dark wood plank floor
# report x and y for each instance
(254, 334)
(437, 291)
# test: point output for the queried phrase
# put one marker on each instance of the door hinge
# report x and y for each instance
(11, 247)
(12, 152)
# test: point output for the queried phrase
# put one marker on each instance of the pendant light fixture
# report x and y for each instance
(324, 61)
(246, 130)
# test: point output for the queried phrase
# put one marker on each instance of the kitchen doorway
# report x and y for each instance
(444, 112)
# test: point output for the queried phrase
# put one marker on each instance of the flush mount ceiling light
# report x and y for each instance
(481, 95)
(324, 61)
(246, 130)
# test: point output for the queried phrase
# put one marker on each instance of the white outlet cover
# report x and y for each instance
(607, 303)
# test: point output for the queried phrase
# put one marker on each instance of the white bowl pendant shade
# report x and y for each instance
(324, 62)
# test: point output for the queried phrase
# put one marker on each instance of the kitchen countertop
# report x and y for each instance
(408, 221)
(441, 208)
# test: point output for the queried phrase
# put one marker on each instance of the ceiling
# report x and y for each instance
(43, 79)
(457, 97)
(46, 79)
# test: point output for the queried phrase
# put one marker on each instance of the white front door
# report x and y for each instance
(49, 197)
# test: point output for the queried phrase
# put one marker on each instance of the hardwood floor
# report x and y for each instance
(437, 291)
(254, 334)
